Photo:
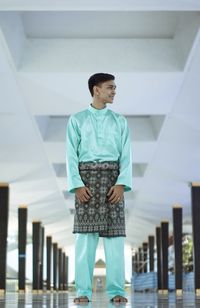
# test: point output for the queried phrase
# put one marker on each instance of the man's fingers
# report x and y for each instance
(83, 199)
(85, 195)
(115, 194)
(113, 200)
(112, 196)
(116, 200)
(88, 191)
(110, 191)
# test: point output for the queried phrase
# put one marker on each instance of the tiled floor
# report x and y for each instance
(61, 300)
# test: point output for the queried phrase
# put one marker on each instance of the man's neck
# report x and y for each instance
(98, 105)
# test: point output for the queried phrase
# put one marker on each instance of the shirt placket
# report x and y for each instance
(100, 129)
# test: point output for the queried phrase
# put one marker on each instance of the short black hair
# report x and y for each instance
(98, 79)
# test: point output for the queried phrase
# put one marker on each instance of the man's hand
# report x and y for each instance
(83, 194)
(115, 193)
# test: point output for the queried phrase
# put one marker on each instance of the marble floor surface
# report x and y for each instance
(99, 300)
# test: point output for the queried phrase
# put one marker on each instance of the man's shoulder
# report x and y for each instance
(118, 115)
(79, 114)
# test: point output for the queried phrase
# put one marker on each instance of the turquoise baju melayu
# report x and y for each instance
(98, 135)
(85, 249)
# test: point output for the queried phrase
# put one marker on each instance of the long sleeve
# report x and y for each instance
(125, 160)
(72, 142)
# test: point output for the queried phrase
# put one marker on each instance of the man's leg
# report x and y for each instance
(85, 250)
(115, 268)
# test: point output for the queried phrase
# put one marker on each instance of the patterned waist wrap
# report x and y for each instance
(98, 214)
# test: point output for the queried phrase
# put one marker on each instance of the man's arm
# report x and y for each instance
(72, 141)
(125, 160)
(124, 180)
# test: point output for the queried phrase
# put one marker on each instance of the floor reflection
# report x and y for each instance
(99, 300)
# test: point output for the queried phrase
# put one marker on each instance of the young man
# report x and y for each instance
(99, 170)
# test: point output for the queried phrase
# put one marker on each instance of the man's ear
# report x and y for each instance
(95, 90)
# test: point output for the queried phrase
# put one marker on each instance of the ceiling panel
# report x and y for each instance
(99, 24)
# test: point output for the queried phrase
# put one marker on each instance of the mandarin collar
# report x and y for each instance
(97, 111)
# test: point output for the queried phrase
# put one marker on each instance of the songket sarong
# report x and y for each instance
(98, 215)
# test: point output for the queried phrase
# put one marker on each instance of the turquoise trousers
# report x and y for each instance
(85, 251)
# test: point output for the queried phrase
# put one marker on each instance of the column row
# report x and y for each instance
(143, 259)
(55, 257)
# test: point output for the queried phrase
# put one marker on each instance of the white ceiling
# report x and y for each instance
(77, 24)
(47, 54)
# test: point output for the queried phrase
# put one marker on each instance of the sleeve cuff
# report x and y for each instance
(72, 186)
(127, 186)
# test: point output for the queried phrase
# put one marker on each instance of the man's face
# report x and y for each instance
(106, 91)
